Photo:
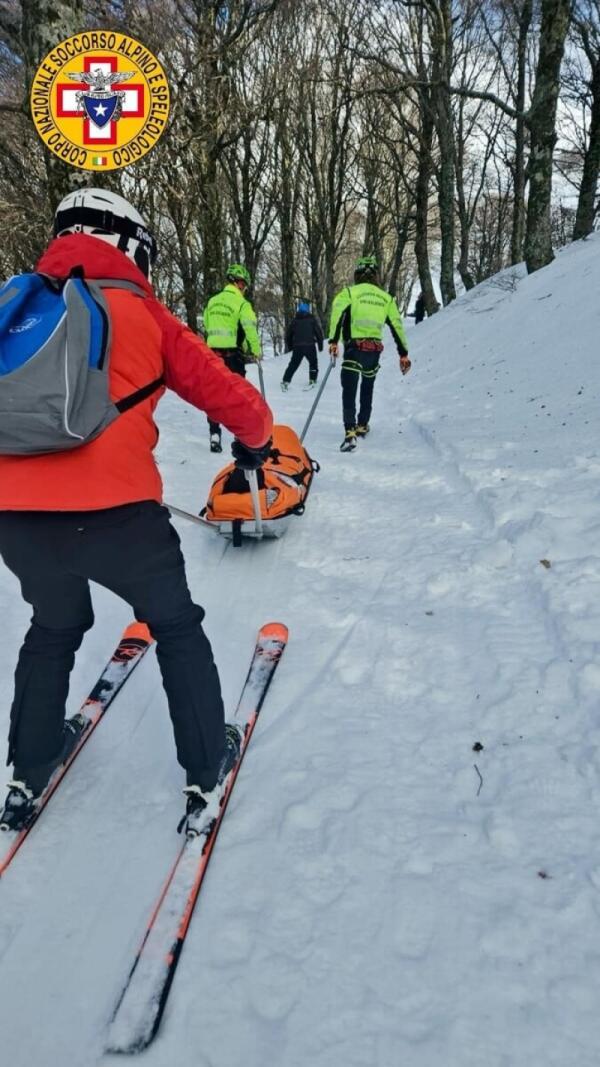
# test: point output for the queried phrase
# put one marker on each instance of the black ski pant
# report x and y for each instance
(300, 352)
(356, 365)
(234, 359)
(134, 551)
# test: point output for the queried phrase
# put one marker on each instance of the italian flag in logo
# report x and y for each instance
(99, 161)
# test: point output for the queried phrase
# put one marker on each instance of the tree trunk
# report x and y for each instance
(586, 206)
(463, 211)
(329, 272)
(44, 24)
(287, 242)
(422, 209)
(542, 124)
(518, 221)
(465, 240)
(207, 122)
(314, 247)
(189, 281)
(211, 230)
(373, 243)
(442, 45)
(401, 243)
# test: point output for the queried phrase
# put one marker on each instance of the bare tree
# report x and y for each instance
(542, 127)
(406, 76)
(326, 136)
(586, 24)
(507, 24)
(306, 132)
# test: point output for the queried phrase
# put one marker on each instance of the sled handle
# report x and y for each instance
(191, 518)
(316, 400)
(253, 483)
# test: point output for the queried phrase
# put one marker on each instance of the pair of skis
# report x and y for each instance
(142, 1002)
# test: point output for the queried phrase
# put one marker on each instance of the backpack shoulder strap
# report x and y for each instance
(139, 395)
(57, 284)
(119, 283)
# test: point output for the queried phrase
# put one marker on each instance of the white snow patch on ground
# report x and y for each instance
(374, 898)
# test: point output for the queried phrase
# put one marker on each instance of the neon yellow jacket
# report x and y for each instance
(361, 311)
(230, 322)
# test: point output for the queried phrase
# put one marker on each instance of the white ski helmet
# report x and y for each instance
(109, 217)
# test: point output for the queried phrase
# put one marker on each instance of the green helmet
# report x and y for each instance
(236, 272)
(366, 265)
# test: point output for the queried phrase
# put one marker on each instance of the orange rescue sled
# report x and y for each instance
(283, 482)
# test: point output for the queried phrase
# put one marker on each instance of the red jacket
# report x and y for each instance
(147, 342)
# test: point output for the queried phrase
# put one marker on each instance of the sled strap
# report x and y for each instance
(236, 532)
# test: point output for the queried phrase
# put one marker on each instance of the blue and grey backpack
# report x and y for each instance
(55, 339)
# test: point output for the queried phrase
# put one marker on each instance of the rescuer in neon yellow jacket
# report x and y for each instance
(358, 316)
(230, 327)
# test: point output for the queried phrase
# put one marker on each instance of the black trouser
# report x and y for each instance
(299, 352)
(233, 359)
(134, 551)
(358, 364)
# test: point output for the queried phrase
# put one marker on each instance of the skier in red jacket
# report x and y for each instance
(95, 513)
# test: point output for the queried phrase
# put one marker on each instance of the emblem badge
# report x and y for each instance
(100, 100)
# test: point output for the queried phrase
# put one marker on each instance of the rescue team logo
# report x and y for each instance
(100, 100)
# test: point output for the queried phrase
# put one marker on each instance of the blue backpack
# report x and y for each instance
(55, 337)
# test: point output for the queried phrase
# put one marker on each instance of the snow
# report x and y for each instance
(381, 893)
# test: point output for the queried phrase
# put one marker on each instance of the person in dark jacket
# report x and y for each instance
(303, 336)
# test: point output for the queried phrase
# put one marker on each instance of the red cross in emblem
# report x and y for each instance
(66, 103)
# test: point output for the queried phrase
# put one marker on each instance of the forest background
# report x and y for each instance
(451, 138)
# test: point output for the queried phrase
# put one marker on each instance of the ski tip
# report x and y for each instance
(139, 630)
(276, 631)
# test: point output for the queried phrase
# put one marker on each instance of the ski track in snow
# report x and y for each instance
(371, 900)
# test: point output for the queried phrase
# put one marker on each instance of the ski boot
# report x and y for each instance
(27, 786)
(362, 431)
(215, 442)
(19, 807)
(349, 442)
(284, 387)
(203, 804)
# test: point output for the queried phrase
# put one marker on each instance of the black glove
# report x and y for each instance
(250, 459)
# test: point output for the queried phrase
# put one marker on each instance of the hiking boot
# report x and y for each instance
(203, 804)
(284, 387)
(215, 442)
(349, 442)
(362, 431)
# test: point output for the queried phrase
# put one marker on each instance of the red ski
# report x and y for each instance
(141, 1005)
(135, 641)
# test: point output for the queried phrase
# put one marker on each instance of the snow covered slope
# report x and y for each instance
(381, 893)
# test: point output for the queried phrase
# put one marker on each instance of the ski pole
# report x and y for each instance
(261, 379)
(253, 483)
(316, 400)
